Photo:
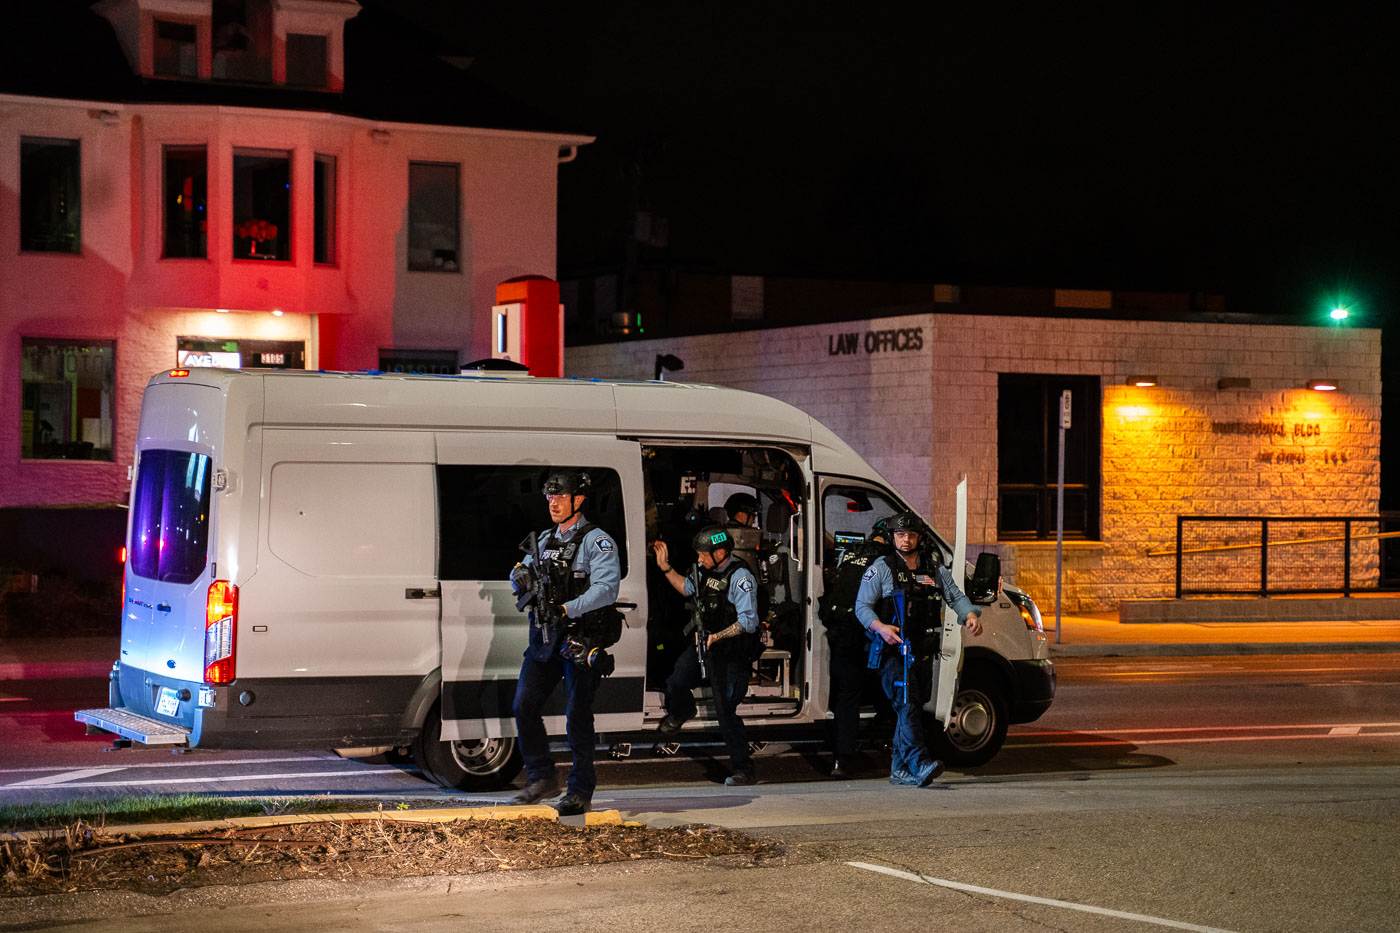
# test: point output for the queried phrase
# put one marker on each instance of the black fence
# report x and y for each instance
(1276, 555)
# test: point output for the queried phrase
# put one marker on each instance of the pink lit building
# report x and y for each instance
(211, 183)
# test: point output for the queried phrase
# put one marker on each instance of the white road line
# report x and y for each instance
(1345, 730)
(1148, 729)
(1221, 738)
(55, 780)
(192, 763)
(1031, 899)
(224, 778)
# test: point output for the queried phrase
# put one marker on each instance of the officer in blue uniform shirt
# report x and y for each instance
(922, 586)
(727, 602)
(581, 572)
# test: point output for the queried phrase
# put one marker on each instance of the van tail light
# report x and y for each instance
(220, 632)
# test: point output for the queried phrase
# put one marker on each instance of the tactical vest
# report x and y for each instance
(838, 606)
(603, 626)
(921, 604)
(717, 613)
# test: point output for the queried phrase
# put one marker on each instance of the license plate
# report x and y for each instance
(169, 701)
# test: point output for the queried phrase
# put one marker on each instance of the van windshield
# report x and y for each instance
(170, 520)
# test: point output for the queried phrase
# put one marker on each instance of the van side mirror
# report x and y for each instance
(982, 586)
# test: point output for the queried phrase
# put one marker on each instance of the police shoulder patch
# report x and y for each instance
(869, 574)
(604, 543)
(745, 584)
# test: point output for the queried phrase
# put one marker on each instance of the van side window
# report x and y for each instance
(484, 512)
(170, 516)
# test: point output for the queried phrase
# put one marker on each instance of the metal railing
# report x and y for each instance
(1276, 555)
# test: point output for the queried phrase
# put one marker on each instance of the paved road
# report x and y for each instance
(1248, 794)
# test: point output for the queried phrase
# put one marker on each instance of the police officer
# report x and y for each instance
(742, 509)
(849, 646)
(724, 589)
(907, 571)
(578, 565)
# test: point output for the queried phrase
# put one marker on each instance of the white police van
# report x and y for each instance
(321, 560)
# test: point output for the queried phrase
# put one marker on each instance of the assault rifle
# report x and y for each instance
(906, 653)
(534, 587)
(697, 625)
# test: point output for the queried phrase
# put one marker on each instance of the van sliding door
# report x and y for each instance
(489, 500)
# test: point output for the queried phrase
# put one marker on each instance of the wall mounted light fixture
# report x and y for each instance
(379, 136)
(1322, 385)
(1142, 382)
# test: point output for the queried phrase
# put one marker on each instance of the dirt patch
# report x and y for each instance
(83, 858)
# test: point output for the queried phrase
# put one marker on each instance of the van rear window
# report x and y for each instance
(170, 520)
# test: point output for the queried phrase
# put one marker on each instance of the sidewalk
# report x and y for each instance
(1103, 635)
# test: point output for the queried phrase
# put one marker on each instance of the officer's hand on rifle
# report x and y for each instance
(520, 579)
(888, 632)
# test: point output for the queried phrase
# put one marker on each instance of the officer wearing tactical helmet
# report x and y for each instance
(578, 562)
(849, 646)
(906, 571)
(726, 603)
(741, 508)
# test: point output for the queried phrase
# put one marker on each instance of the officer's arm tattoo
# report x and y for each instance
(730, 632)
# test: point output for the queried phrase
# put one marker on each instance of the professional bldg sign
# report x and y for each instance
(896, 340)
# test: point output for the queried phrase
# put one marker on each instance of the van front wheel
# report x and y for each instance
(470, 764)
(976, 726)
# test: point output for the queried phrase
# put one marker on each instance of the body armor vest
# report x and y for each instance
(557, 565)
(717, 613)
(921, 604)
(838, 606)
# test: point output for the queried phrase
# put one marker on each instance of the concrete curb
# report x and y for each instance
(436, 815)
(1202, 649)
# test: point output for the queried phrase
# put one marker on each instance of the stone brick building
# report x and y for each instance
(1230, 427)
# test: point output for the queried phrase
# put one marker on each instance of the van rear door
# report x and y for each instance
(170, 528)
(489, 500)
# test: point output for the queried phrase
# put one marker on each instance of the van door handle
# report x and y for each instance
(625, 607)
(163, 607)
(414, 592)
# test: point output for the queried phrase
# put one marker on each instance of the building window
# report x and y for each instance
(262, 201)
(177, 50)
(242, 40)
(50, 203)
(1028, 425)
(306, 60)
(432, 217)
(66, 387)
(324, 209)
(186, 216)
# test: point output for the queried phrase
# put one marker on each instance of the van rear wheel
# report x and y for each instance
(976, 726)
(470, 764)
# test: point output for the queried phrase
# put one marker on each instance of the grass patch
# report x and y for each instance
(163, 808)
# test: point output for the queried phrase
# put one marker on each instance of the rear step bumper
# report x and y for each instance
(134, 726)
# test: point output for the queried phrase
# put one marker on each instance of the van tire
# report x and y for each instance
(481, 764)
(977, 726)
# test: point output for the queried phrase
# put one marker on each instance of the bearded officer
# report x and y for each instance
(581, 565)
(922, 583)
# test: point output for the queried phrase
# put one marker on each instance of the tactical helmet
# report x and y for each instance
(881, 529)
(740, 502)
(568, 482)
(710, 539)
(907, 521)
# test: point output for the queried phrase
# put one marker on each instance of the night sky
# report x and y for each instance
(1187, 149)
